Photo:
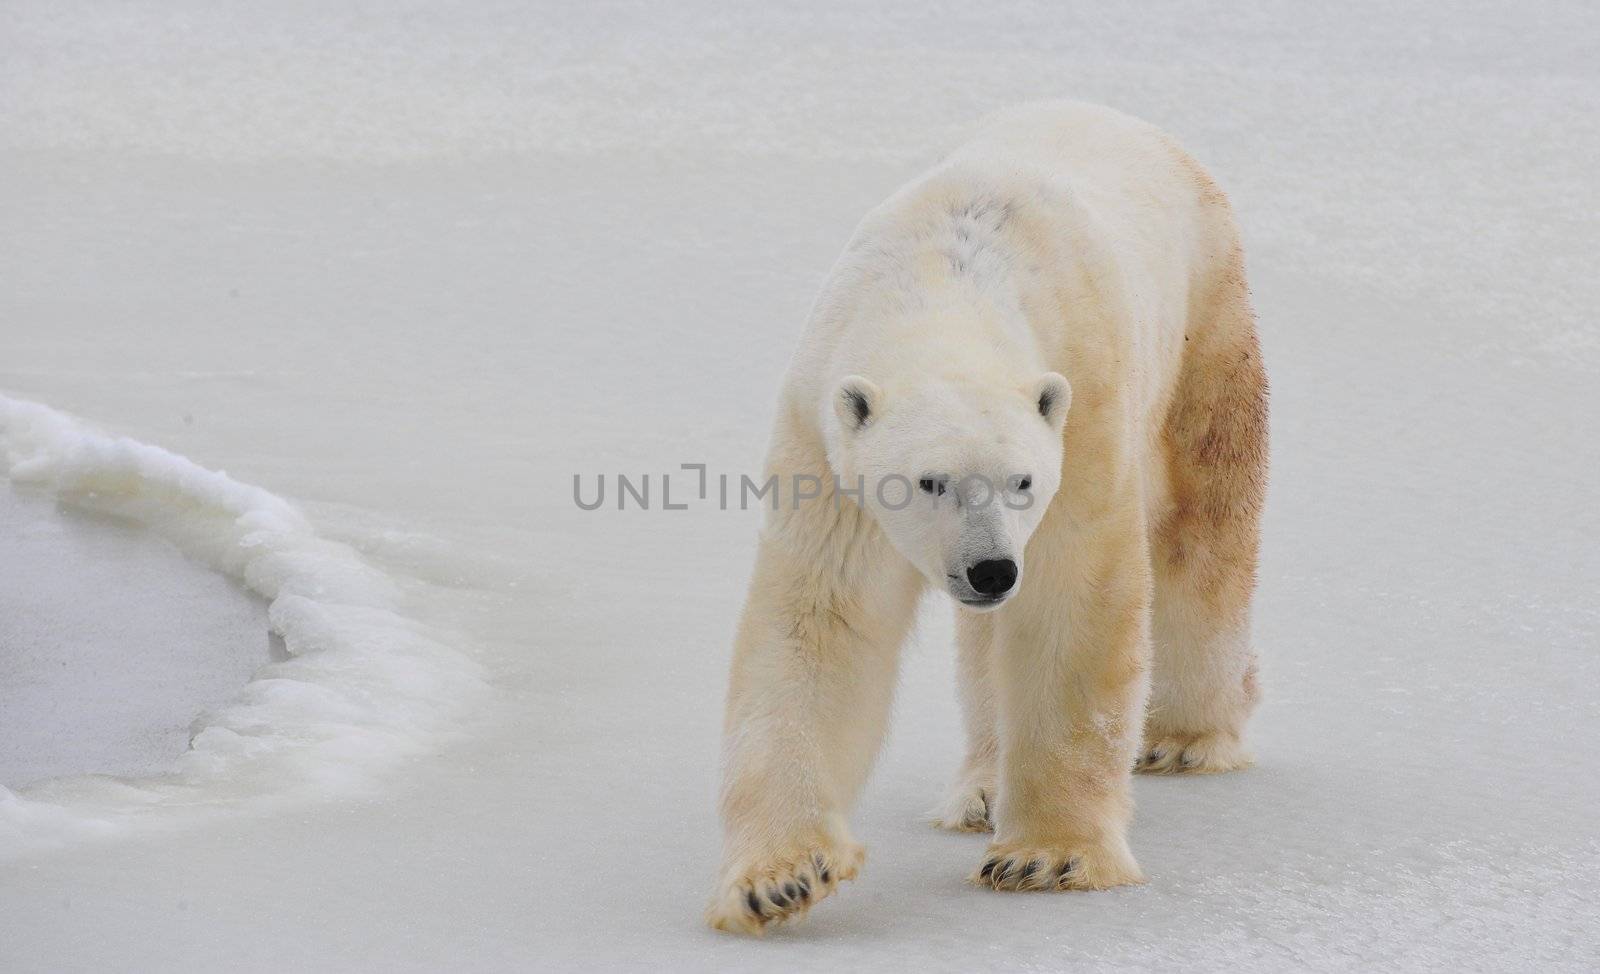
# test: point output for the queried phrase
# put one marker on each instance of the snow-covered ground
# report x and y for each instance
(409, 268)
(87, 603)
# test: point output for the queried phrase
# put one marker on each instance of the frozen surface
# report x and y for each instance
(361, 683)
(410, 268)
(111, 642)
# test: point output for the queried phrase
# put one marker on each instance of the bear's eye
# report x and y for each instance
(1024, 482)
(932, 485)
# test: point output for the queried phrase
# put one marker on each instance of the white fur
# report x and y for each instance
(1053, 259)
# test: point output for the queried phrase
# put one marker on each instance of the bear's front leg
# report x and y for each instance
(813, 671)
(1072, 680)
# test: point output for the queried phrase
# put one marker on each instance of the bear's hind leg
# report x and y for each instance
(970, 804)
(1205, 544)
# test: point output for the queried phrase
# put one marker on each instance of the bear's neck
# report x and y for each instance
(954, 331)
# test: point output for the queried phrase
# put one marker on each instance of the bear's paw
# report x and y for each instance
(1023, 866)
(970, 808)
(782, 887)
(1186, 753)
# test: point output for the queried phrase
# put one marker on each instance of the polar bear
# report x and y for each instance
(1033, 382)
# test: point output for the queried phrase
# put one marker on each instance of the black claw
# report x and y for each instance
(755, 904)
(1028, 871)
(1187, 760)
(805, 890)
(778, 899)
(1070, 865)
(988, 868)
(791, 891)
(1152, 757)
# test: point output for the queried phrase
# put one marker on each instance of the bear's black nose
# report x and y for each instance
(993, 577)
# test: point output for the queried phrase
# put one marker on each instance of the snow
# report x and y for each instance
(406, 270)
(361, 686)
(60, 663)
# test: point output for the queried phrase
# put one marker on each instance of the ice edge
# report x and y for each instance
(364, 687)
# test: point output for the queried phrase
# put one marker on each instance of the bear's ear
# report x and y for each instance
(1053, 395)
(857, 401)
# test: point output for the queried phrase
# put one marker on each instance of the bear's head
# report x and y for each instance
(958, 474)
